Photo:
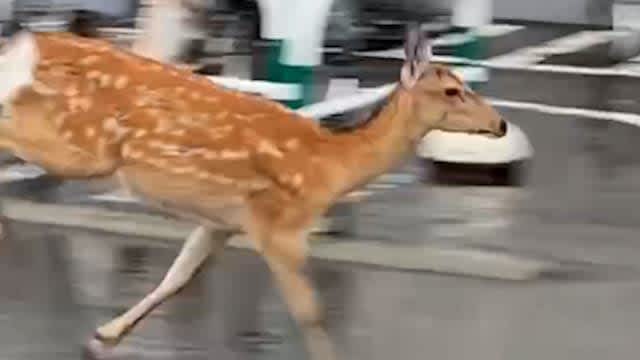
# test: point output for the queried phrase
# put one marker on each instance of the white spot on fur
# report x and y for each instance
(161, 163)
(297, 179)
(105, 80)
(93, 74)
(43, 89)
(222, 115)
(111, 125)
(121, 82)
(71, 90)
(222, 179)
(196, 152)
(220, 131)
(89, 60)
(266, 147)
(184, 169)
(79, 104)
(234, 155)
(292, 144)
(156, 144)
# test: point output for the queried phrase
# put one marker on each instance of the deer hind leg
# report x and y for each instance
(201, 243)
(285, 254)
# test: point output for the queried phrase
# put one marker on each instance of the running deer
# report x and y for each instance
(83, 108)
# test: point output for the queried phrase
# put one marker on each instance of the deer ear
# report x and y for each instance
(417, 49)
(417, 46)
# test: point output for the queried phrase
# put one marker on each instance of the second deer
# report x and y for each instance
(82, 108)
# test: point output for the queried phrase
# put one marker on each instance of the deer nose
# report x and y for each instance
(502, 129)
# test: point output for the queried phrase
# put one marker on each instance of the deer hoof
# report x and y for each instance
(110, 334)
(95, 349)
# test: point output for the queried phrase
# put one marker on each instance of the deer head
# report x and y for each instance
(439, 98)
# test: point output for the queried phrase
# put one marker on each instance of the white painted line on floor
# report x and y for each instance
(469, 262)
(563, 45)
(563, 69)
(631, 66)
(339, 87)
(398, 54)
(20, 172)
(495, 30)
(368, 96)
(115, 196)
(626, 118)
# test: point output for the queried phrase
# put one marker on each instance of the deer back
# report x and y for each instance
(111, 103)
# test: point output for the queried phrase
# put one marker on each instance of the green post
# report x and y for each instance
(472, 47)
(301, 75)
(274, 68)
(293, 58)
(467, 17)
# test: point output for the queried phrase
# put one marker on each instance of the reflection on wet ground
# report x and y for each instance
(57, 285)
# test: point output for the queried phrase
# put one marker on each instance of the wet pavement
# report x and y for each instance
(59, 284)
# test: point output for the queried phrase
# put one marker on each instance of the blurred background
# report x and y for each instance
(522, 247)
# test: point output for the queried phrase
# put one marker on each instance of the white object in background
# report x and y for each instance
(274, 18)
(164, 28)
(305, 35)
(342, 87)
(119, 195)
(626, 15)
(344, 104)
(6, 10)
(476, 149)
(472, 73)
(268, 89)
(472, 13)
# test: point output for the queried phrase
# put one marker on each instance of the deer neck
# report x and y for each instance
(388, 138)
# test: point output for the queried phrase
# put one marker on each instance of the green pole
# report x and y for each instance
(467, 16)
(294, 57)
(472, 47)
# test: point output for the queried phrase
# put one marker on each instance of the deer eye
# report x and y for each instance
(452, 92)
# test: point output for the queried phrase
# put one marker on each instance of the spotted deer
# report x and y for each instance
(83, 108)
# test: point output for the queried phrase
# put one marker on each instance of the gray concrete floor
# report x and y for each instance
(59, 284)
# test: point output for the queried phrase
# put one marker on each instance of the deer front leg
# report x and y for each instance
(201, 243)
(285, 256)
